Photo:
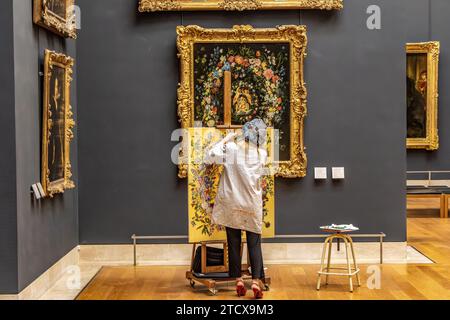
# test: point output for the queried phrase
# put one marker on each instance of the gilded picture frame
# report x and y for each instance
(56, 16)
(57, 124)
(294, 37)
(237, 5)
(427, 85)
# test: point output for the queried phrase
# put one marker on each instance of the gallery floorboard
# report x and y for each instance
(429, 235)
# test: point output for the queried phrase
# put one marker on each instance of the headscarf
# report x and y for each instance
(255, 132)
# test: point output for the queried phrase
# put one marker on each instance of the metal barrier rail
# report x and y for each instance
(380, 236)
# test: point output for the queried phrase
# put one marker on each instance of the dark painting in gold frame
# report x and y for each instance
(56, 16)
(57, 124)
(422, 69)
(237, 5)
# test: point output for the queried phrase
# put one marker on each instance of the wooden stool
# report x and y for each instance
(350, 270)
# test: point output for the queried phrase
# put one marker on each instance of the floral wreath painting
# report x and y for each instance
(260, 85)
(203, 181)
(231, 76)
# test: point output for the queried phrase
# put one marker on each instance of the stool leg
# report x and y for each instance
(358, 279)
(348, 265)
(322, 262)
(330, 247)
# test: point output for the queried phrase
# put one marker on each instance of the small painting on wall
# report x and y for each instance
(422, 95)
(56, 15)
(57, 124)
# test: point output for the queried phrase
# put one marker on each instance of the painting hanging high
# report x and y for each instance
(231, 76)
(260, 86)
(422, 95)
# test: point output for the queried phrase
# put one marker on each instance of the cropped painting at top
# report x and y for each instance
(260, 85)
(422, 94)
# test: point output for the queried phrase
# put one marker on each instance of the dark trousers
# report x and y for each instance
(234, 253)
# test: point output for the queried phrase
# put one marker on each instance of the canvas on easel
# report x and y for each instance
(203, 181)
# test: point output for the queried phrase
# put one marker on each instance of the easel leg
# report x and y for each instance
(322, 262)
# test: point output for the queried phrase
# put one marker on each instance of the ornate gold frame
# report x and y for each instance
(432, 49)
(238, 5)
(60, 60)
(292, 34)
(46, 18)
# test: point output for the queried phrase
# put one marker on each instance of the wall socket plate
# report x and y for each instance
(320, 173)
(338, 173)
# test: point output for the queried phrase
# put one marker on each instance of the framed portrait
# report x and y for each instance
(56, 16)
(237, 5)
(57, 124)
(231, 76)
(422, 69)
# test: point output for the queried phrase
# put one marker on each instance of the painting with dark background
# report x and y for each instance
(417, 95)
(260, 85)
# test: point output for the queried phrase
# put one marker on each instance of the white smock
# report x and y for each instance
(238, 203)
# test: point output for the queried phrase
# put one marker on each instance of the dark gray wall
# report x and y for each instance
(128, 74)
(47, 229)
(437, 31)
(8, 221)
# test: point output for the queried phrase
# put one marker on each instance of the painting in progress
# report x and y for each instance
(203, 181)
(57, 124)
(422, 95)
(237, 5)
(231, 76)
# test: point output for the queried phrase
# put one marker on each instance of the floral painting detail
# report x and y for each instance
(260, 85)
(203, 181)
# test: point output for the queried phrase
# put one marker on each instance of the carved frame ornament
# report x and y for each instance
(292, 34)
(237, 5)
(61, 25)
(432, 49)
(52, 60)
